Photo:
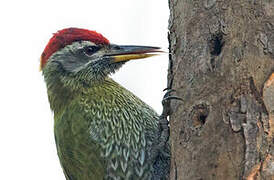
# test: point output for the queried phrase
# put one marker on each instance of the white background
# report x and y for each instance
(27, 148)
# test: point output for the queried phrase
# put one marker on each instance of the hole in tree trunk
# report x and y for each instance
(202, 118)
(199, 114)
(216, 44)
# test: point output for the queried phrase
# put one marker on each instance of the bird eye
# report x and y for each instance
(89, 50)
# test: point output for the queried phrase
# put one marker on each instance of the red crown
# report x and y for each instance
(67, 36)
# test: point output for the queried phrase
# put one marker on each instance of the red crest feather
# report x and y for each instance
(67, 36)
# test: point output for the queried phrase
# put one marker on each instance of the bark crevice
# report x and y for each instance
(221, 65)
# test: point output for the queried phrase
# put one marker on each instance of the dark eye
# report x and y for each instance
(89, 50)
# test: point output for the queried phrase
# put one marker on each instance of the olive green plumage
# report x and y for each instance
(105, 128)
(102, 131)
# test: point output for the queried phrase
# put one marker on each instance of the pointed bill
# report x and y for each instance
(126, 53)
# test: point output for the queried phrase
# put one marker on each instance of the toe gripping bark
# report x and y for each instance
(163, 122)
(163, 125)
(160, 153)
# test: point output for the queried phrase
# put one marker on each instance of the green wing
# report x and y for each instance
(78, 153)
(107, 132)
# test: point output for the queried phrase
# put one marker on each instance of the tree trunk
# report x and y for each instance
(222, 66)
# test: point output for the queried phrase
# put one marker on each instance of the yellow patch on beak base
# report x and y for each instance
(127, 57)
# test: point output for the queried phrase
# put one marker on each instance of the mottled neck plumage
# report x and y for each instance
(59, 96)
(62, 91)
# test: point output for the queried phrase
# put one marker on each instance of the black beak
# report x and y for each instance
(126, 53)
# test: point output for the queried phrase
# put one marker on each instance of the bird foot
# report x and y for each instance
(161, 145)
(166, 102)
(163, 122)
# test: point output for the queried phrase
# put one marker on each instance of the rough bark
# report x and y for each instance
(222, 66)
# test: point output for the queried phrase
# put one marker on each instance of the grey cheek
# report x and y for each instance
(71, 64)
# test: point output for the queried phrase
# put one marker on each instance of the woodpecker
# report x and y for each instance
(102, 131)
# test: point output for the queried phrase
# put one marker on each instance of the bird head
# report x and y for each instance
(80, 56)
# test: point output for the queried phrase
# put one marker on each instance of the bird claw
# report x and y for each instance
(169, 90)
(166, 101)
(169, 98)
(163, 122)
